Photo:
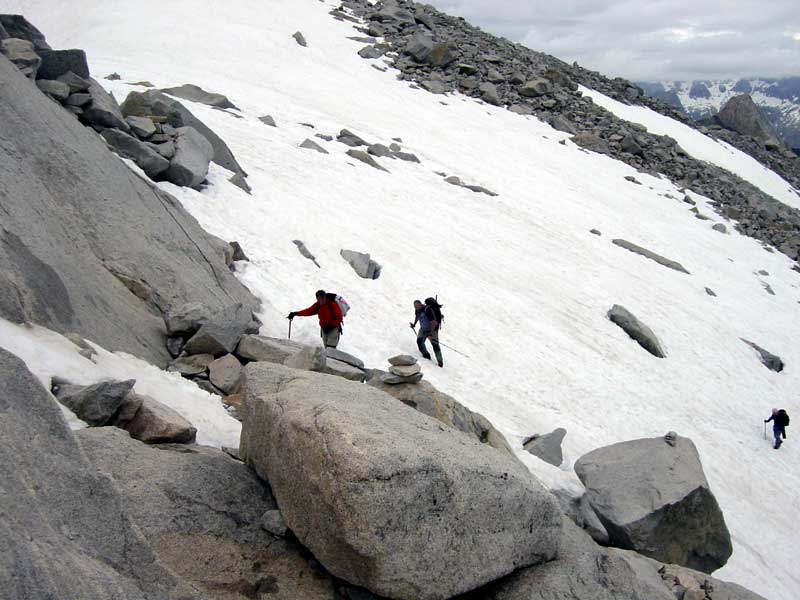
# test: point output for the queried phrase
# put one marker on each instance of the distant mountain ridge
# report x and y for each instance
(779, 99)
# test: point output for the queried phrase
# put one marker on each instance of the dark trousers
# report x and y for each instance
(422, 336)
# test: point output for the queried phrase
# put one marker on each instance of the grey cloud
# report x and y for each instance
(660, 40)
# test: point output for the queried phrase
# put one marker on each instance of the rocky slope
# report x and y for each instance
(385, 497)
(442, 54)
(86, 244)
(778, 98)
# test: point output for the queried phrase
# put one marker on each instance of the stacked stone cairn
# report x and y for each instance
(403, 369)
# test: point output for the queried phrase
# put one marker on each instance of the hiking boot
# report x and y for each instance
(426, 356)
(440, 363)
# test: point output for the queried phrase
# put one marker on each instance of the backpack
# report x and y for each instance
(436, 309)
(785, 415)
(343, 305)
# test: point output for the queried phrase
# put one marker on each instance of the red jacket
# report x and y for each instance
(329, 313)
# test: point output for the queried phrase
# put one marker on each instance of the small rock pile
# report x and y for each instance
(403, 369)
(203, 344)
(114, 403)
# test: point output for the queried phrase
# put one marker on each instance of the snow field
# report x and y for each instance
(525, 286)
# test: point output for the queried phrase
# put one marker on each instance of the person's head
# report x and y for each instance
(321, 297)
(417, 305)
(774, 411)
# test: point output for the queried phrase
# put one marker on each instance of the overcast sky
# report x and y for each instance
(650, 40)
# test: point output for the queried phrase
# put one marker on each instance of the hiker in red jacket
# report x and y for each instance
(330, 318)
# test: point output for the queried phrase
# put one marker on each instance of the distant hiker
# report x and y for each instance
(330, 318)
(780, 420)
(429, 317)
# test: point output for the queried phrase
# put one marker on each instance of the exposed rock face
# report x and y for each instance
(653, 497)
(429, 401)
(585, 571)
(198, 507)
(195, 93)
(69, 535)
(388, 498)
(742, 115)
(638, 331)
(69, 258)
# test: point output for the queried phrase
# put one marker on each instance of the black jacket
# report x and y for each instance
(781, 418)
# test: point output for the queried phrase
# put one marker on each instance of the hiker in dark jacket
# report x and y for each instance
(429, 318)
(780, 419)
(330, 318)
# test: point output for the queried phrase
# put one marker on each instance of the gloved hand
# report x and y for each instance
(292, 315)
(766, 420)
(327, 328)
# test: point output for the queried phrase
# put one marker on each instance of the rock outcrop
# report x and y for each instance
(742, 115)
(156, 103)
(652, 497)
(69, 258)
(425, 398)
(586, 571)
(201, 511)
(385, 497)
(65, 531)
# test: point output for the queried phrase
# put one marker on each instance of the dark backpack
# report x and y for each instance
(784, 417)
(436, 309)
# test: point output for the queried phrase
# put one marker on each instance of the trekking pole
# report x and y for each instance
(443, 344)
(290, 329)
(765, 431)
